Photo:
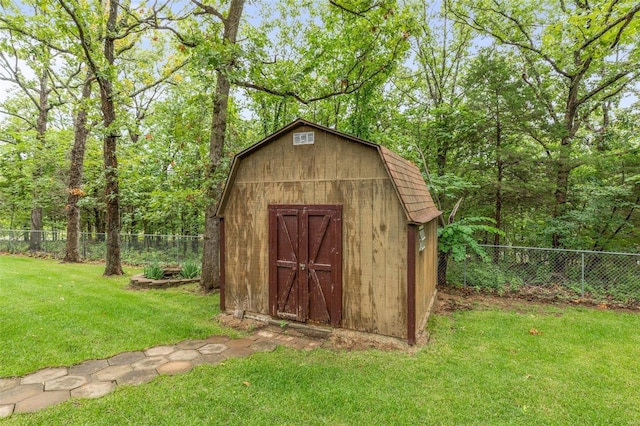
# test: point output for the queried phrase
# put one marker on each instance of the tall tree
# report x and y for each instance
(211, 245)
(575, 57)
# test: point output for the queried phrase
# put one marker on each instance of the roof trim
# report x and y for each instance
(405, 176)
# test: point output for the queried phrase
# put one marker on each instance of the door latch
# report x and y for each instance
(302, 266)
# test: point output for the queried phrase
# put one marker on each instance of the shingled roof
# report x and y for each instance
(406, 177)
(410, 186)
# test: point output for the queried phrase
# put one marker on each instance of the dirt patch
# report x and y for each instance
(452, 299)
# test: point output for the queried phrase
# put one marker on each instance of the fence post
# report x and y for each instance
(465, 269)
(582, 278)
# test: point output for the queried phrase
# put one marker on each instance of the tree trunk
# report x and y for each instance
(210, 277)
(76, 169)
(112, 191)
(499, 179)
(41, 124)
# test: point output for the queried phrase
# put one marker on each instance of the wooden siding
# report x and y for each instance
(426, 272)
(331, 171)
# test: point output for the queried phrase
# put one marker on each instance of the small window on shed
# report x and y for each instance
(422, 237)
(303, 138)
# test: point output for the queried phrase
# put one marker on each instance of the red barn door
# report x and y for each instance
(305, 263)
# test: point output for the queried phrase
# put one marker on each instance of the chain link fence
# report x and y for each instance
(570, 274)
(135, 249)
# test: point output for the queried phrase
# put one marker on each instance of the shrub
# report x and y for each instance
(190, 269)
(153, 271)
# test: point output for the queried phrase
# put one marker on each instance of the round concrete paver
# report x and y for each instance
(160, 350)
(213, 348)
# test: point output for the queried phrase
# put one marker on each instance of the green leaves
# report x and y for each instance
(458, 237)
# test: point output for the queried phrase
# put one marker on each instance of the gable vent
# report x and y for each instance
(303, 138)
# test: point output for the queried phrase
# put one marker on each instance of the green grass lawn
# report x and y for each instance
(55, 314)
(480, 367)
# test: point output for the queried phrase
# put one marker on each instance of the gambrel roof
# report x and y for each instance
(405, 176)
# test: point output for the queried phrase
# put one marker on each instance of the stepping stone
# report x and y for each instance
(126, 358)
(160, 350)
(237, 352)
(264, 346)
(6, 410)
(208, 359)
(44, 375)
(175, 367)
(191, 344)
(150, 363)
(186, 355)
(41, 400)
(65, 383)
(9, 383)
(93, 390)
(137, 377)
(87, 368)
(113, 372)
(217, 339)
(266, 334)
(213, 348)
(18, 393)
(239, 343)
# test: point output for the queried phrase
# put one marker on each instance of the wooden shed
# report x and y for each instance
(321, 227)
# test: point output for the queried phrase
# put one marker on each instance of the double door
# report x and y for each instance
(305, 263)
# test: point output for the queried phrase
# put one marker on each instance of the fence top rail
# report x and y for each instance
(103, 233)
(562, 250)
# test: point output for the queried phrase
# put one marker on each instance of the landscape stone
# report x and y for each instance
(40, 401)
(126, 358)
(44, 375)
(65, 383)
(6, 410)
(175, 367)
(137, 377)
(113, 372)
(93, 390)
(149, 363)
(237, 352)
(213, 348)
(239, 343)
(9, 383)
(208, 359)
(191, 344)
(217, 339)
(264, 346)
(186, 355)
(160, 350)
(88, 367)
(18, 393)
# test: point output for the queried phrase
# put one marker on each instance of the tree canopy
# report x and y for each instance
(527, 110)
